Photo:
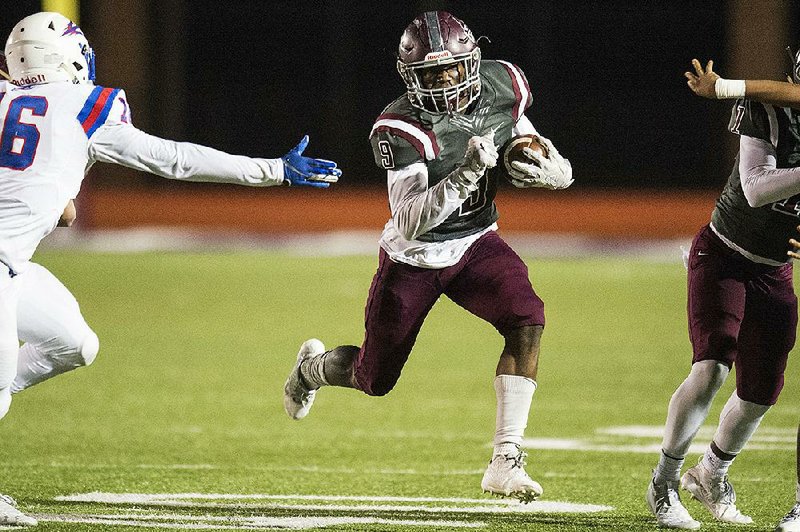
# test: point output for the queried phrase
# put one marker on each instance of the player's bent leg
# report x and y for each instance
(11, 516)
(38, 362)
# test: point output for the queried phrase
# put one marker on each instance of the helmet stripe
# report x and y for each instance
(434, 31)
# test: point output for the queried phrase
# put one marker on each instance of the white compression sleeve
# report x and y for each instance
(762, 181)
(689, 406)
(737, 422)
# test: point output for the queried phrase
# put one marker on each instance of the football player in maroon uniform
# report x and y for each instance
(707, 83)
(437, 143)
(742, 306)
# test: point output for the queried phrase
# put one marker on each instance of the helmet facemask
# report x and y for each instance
(453, 99)
(434, 41)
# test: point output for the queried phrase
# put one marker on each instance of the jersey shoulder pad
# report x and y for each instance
(104, 106)
(753, 119)
(399, 138)
(513, 90)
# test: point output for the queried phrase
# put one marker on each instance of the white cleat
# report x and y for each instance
(665, 503)
(506, 477)
(297, 397)
(791, 521)
(715, 493)
(9, 515)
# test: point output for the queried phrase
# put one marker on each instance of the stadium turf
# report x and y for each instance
(179, 423)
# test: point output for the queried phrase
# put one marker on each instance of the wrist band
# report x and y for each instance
(728, 89)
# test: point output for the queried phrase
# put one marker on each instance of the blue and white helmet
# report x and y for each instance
(48, 47)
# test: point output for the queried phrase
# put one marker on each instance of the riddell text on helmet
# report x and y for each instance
(438, 55)
(30, 80)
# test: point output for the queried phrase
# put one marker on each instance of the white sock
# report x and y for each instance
(669, 468)
(737, 422)
(718, 467)
(689, 406)
(514, 394)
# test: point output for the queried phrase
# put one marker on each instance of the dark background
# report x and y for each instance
(252, 77)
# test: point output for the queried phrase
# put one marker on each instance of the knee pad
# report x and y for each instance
(5, 401)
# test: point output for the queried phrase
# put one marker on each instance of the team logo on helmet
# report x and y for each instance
(72, 29)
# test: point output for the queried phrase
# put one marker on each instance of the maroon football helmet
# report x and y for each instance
(437, 39)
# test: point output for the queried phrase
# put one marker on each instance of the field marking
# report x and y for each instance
(299, 504)
(192, 522)
(627, 439)
(332, 503)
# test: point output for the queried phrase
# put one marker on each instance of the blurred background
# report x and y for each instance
(251, 77)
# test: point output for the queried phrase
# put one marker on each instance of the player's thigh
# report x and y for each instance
(716, 299)
(494, 285)
(48, 310)
(766, 337)
(400, 298)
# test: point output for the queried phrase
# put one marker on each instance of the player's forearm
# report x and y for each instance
(417, 209)
(780, 93)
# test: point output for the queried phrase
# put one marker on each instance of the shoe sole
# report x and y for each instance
(522, 496)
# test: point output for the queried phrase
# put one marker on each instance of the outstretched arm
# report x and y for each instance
(706, 83)
(125, 145)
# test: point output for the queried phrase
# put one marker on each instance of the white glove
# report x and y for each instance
(553, 172)
(481, 154)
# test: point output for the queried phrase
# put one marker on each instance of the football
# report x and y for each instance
(513, 150)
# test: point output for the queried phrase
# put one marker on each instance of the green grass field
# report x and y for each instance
(186, 398)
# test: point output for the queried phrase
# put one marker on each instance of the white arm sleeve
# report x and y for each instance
(762, 182)
(416, 208)
(128, 146)
(523, 127)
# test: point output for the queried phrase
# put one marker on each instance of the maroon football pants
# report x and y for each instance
(742, 313)
(490, 281)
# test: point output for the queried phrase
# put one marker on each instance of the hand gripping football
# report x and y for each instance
(514, 151)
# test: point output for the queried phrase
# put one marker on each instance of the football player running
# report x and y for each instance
(56, 124)
(742, 306)
(707, 83)
(437, 143)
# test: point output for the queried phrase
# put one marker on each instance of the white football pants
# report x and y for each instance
(37, 309)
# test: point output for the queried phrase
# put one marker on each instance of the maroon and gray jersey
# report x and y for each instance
(404, 134)
(762, 231)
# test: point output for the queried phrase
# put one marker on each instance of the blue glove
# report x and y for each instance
(299, 170)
